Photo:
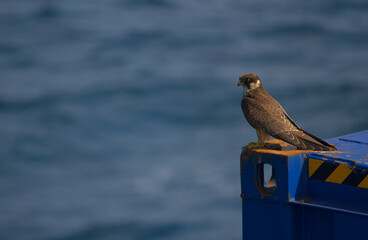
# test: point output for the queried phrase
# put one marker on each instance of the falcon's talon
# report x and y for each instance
(253, 145)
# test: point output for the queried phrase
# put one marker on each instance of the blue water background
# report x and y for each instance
(121, 119)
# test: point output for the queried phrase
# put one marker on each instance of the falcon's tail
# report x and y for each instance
(305, 141)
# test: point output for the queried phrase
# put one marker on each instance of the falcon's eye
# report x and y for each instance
(248, 79)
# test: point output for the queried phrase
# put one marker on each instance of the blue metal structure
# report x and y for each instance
(304, 195)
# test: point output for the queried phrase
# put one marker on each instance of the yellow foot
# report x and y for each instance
(254, 145)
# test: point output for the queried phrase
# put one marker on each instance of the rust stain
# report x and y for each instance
(241, 165)
(281, 153)
(244, 156)
(336, 156)
(283, 145)
(305, 200)
(259, 158)
(277, 141)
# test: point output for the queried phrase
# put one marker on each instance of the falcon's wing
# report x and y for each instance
(306, 139)
(268, 115)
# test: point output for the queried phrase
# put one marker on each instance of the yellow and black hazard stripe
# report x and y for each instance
(337, 173)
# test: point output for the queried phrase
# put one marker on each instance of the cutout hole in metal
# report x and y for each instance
(266, 179)
(269, 179)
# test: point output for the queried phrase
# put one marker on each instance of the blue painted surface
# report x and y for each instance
(260, 221)
(250, 189)
(301, 207)
(353, 149)
(359, 137)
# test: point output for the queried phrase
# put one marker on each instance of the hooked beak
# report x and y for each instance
(239, 83)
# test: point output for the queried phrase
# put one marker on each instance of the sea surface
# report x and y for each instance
(121, 119)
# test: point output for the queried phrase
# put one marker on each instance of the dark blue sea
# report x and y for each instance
(121, 119)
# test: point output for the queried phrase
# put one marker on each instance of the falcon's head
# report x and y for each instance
(249, 81)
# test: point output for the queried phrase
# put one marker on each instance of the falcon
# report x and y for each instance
(269, 119)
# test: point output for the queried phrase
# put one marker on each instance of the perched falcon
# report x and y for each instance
(269, 119)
